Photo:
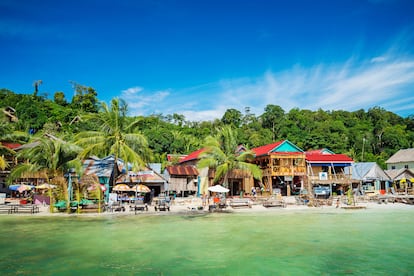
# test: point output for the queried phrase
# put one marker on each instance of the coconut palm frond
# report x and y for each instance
(21, 171)
(3, 163)
(222, 154)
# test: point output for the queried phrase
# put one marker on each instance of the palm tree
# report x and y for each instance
(221, 153)
(36, 85)
(115, 136)
(48, 157)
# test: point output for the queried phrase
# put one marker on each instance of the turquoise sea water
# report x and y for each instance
(355, 242)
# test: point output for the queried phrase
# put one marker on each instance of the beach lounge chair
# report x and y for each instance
(219, 205)
(274, 202)
(116, 207)
(240, 203)
(161, 204)
(139, 205)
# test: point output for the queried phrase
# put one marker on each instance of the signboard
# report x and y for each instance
(323, 176)
(2, 198)
(113, 197)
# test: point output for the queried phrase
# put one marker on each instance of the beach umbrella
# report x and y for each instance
(218, 189)
(93, 187)
(140, 188)
(24, 187)
(46, 186)
(121, 188)
(14, 187)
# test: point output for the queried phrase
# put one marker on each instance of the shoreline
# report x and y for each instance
(190, 207)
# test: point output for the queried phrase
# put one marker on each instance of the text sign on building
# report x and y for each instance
(323, 176)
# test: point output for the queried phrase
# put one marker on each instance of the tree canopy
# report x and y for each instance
(371, 135)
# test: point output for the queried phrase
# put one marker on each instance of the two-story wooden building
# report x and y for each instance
(326, 168)
(283, 166)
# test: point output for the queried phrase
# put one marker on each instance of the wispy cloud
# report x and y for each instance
(130, 92)
(386, 81)
(142, 102)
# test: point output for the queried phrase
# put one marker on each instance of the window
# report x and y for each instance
(405, 166)
(392, 167)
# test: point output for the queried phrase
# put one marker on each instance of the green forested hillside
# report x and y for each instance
(365, 135)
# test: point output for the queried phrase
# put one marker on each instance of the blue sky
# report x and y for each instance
(199, 58)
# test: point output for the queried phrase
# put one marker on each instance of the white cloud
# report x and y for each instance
(385, 81)
(131, 91)
(378, 59)
(350, 86)
(142, 102)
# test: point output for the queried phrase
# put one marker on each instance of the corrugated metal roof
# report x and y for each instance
(266, 149)
(367, 171)
(192, 156)
(403, 155)
(282, 147)
(178, 157)
(99, 167)
(144, 176)
(10, 145)
(341, 158)
(400, 174)
(182, 170)
(320, 151)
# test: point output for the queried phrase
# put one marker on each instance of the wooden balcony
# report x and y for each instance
(285, 171)
(339, 177)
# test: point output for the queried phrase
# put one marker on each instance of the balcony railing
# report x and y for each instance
(280, 170)
(338, 176)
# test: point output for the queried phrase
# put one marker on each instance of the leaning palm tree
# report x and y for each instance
(221, 154)
(49, 157)
(115, 136)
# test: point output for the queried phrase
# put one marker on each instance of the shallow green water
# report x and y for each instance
(359, 242)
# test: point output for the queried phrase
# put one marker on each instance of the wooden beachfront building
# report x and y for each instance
(239, 182)
(283, 166)
(326, 168)
(182, 179)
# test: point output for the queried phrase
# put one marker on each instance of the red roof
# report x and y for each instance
(179, 157)
(182, 170)
(342, 158)
(270, 149)
(11, 145)
(266, 149)
(192, 156)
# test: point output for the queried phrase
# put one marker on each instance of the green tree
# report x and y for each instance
(273, 118)
(114, 136)
(85, 98)
(59, 98)
(221, 155)
(232, 117)
(48, 156)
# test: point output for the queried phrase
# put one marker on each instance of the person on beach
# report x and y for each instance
(204, 199)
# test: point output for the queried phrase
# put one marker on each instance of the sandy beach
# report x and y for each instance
(193, 206)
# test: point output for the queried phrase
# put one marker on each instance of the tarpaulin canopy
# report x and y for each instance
(218, 189)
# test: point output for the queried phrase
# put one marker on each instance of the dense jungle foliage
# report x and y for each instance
(372, 135)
